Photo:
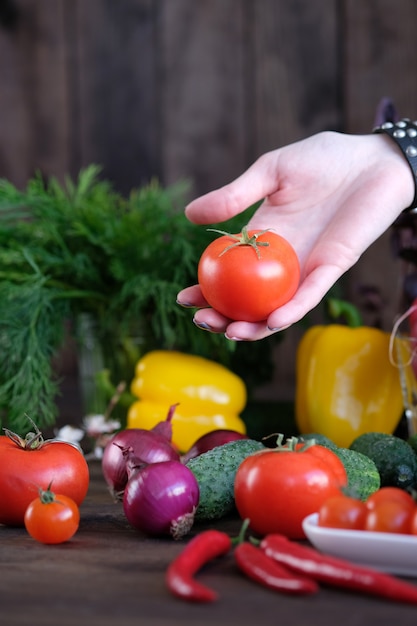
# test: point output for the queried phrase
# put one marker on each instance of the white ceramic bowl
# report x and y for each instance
(389, 552)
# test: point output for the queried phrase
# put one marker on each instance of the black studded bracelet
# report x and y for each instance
(404, 133)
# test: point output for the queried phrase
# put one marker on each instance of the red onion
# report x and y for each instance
(211, 440)
(147, 446)
(164, 428)
(161, 499)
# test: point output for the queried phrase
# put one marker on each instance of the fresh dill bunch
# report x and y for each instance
(31, 328)
(81, 249)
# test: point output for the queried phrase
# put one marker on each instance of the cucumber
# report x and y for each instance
(362, 473)
(215, 471)
(393, 456)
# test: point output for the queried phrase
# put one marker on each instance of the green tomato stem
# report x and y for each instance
(243, 239)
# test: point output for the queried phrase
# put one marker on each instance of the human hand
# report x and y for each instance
(331, 196)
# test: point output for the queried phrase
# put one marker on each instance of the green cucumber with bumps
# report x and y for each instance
(215, 471)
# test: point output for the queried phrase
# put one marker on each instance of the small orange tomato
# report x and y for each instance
(52, 518)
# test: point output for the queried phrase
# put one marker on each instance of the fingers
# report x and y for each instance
(309, 294)
(208, 319)
(247, 331)
(191, 297)
(212, 321)
(259, 181)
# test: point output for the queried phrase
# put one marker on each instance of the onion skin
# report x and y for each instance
(161, 499)
(211, 440)
(147, 447)
(164, 428)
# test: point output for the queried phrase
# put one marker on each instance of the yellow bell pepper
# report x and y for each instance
(209, 395)
(345, 383)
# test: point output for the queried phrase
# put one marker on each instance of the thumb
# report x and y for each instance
(259, 181)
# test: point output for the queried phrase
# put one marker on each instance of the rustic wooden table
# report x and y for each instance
(110, 574)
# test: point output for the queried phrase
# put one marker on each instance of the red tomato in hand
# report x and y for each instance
(25, 470)
(277, 489)
(246, 277)
(52, 518)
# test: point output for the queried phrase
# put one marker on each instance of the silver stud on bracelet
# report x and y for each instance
(404, 133)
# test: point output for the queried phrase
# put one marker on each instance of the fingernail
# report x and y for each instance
(279, 328)
(202, 325)
(235, 338)
(186, 305)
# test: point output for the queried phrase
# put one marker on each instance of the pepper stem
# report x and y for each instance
(349, 311)
(240, 538)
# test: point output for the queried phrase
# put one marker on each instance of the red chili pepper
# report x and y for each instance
(337, 572)
(255, 563)
(203, 548)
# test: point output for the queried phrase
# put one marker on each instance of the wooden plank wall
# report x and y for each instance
(379, 56)
(178, 89)
(167, 88)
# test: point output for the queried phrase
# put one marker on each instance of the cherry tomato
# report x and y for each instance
(52, 518)
(389, 516)
(413, 522)
(277, 489)
(29, 465)
(390, 494)
(343, 512)
(247, 276)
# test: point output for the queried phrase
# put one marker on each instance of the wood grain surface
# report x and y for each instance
(109, 573)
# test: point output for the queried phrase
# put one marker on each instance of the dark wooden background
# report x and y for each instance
(196, 90)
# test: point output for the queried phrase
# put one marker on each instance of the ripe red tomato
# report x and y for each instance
(390, 494)
(389, 516)
(413, 522)
(247, 276)
(52, 518)
(277, 489)
(343, 512)
(24, 471)
(327, 456)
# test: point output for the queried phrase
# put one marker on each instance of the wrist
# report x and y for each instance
(401, 138)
